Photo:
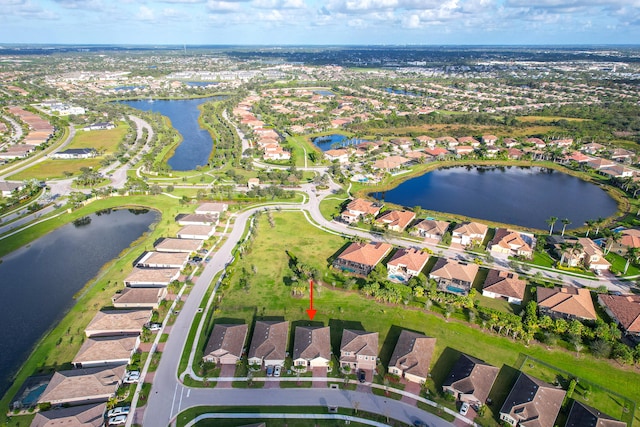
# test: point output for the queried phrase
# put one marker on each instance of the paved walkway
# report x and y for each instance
(286, 416)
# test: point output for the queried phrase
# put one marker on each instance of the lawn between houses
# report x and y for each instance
(267, 294)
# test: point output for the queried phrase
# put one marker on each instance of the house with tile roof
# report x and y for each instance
(358, 349)
(430, 229)
(361, 258)
(489, 139)
(395, 220)
(83, 386)
(139, 297)
(269, 343)
(512, 243)
(226, 344)
(197, 219)
(202, 232)
(106, 351)
(211, 208)
(624, 309)
(390, 163)
(582, 415)
(358, 209)
(629, 238)
(311, 347)
(170, 244)
(163, 260)
(505, 285)
(566, 302)
(152, 277)
(411, 358)
(453, 276)
(406, 263)
(108, 323)
(470, 380)
(73, 416)
(532, 402)
(468, 233)
(592, 256)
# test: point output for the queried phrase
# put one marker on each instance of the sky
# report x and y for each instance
(314, 22)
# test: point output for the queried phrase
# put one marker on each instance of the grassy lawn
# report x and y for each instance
(618, 262)
(268, 295)
(529, 119)
(56, 168)
(297, 144)
(543, 259)
(330, 206)
(106, 140)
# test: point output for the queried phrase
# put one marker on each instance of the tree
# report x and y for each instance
(615, 237)
(565, 222)
(551, 222)
(589, 223)
(599, 223)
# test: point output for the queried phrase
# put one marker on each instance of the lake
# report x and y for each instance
(196, 145)
(39, 281)
(329, 142)
(524, 196)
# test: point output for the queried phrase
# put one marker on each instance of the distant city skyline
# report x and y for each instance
(312, 22)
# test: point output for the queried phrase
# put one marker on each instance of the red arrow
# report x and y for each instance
(311, 312)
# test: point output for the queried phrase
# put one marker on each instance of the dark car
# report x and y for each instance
(361, 376)
(418, 423)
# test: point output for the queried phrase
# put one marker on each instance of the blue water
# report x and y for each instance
(397, 278)
(126, 88)
(455, 290)
(525, 196)
(324, 92)
(329, 142)
(33, 395)
(401, 92)
(201, 84)
(196, 146)
(39, 281)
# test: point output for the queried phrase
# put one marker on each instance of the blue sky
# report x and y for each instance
(321, 22)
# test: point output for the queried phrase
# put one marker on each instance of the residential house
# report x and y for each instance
(489, 139)
(75, 153)
(163, 260)
(411, 358)
(197, 219)
(599, 163)
(470, 380)
(406, 263)
(83, 386)
(617, 171)
(514, 153)
(447, 141)
(390, 163)
(139, 297)
(469, 140)
(625, 310)
(426, 140)
(358, 209)
(17, 151)
(100, 126)
(269, 343)
(537, 143)
(72, 416)
(201, 232)
(311, 347)
(106, 351)
(401, 144)
(188, 246)
(151, 277)
(469, 233)
(7, 188)
(582, 415)
(510, 142)
(437, 152)
(590, 255)
(358, 350)
(532, 402)
(592, 148)
(276, 153)
(109, 323)
(395, 220)
(570, 303)
(453, 276)
(562, 143)
(462, 150)
(226, 344)
(340, 155)
(431, 229)
(505, 285)
(215, 209)
(622, 155)
(512, 243)
(361, 258)
(629, 238)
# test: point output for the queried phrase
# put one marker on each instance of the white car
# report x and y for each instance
(276, 371)
(464, 408)
(132, 377)
(117, 420)
(120, 410)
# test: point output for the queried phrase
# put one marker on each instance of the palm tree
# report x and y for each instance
(615, 238)
(551, 221)
(599, 223)
(565, 222)
(576, 250)
(589, 223)
(563, 250)
(632, 256)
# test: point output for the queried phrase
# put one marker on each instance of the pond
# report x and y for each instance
(196, 145)
(39, 281)
(524, 196)
(335, 140)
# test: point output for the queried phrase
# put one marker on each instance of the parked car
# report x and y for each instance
(196, 259)
(131, 377)
(269, 370)
(120, 410)
(117, 420)
(420, 423)
(464, 408)
(362, 376)
(276, 371)
(154, 326)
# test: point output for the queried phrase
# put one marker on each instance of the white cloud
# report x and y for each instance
(145, 14)
(215, 6)
(25, 9)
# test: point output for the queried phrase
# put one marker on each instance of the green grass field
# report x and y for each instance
(529, 119)
(56, 168)
(268, 295)
(101, 140)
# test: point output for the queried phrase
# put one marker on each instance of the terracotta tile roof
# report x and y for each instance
(149, 296)
(630, 238)
(312, 342)
(433, 227)
(269, 340)
(396, 218)
(471, 229)
(412, 353)
(152, 275)
(412, 258)
(532, 402)
(170, 244)
(569, 301)
(366, 253)
(511, 240)
(626, 310)
(164, 258)
(390, 162)
(362, 205)
(437, 151)
(505, 283)
(106, 348)
(471, 376)
(198, 219)
(80, 385)
(196, 230)
(73, 416)
(359, 342)
(211, 208)
(114, 322)
(451, 269)
(227, 339)
(582, 415)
